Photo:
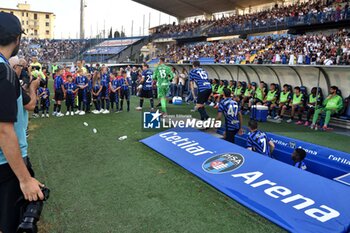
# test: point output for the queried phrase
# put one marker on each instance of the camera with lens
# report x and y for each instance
(32, 214)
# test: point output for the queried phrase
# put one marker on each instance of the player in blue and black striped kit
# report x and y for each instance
(59, 93)
(124, 90)
(105, 90)
(298, 158)
(44, 95)
(147, 86)
(200, 77)
(71, 89)
(233, 116)
(82, 82)
(258, 141)
(114, 87)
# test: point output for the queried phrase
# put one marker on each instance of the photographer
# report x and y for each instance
(15, 178)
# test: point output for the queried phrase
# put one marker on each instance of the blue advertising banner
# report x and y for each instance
(319, 160)
(296, 200)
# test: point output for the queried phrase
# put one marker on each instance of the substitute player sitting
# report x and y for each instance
(283, 103)
(258, 141)
(200, 77)
(332, 104)
(233, 116)
(297, 105)
(271, 99)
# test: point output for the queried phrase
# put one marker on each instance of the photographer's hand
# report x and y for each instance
(31, 189)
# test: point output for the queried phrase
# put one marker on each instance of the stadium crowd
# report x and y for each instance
(308, 12)
(50, 51)
(320, 49)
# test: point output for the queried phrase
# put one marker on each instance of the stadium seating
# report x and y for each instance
(264, 50)
(277, 18)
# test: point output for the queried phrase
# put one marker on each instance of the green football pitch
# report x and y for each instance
(100, 184)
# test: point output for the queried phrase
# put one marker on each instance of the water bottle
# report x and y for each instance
(122, 138)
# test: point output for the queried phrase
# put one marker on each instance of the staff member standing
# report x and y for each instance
(15, 178)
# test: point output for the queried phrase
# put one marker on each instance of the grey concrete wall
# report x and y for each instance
(294, 75)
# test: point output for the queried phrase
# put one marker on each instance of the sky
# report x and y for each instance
(99, 14)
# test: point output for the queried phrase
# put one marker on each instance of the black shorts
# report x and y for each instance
(203, 96)
(286, 105)
(114, 96)
(146, 94)
(125, 94)
(257, 101)
(230, 135)
(104, 92)
(59, 96)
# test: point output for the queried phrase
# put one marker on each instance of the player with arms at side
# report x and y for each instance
(114, 87)
(105, 79)
(163, 75)
(147, 85)
(82, 82)
(258, 141)
(233, 116)
(59, 93)
(200, 77)
(125, 82)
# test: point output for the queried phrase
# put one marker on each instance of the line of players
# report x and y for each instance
(279, 102)
(107, 91)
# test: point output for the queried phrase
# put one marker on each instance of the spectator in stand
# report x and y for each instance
(332, 49)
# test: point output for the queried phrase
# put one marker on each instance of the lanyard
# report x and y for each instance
(4, 58)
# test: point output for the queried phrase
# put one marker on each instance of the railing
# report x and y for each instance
(265, 25)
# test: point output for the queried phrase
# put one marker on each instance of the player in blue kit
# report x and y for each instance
(44, 95)
(88, 93)
(82, 82)
(71, 89)
(96, 92)
(200, 77)
(105, 79)
(114, 87)
(233, 116)
(147, 86)
(258, 141)
(59, 93)
(124, 90)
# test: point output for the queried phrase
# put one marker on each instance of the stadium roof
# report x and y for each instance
(189, 8)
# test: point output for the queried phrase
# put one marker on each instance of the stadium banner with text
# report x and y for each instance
(320, 160)
(296, 200)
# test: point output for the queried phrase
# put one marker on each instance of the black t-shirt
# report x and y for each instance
(9, 93)
(134, 75)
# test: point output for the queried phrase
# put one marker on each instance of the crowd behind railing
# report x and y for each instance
(52, 50)
(279, 17)
(313, 49)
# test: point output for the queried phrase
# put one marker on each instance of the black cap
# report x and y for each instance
(9, 25)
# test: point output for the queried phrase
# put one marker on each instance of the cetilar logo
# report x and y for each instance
(151, 120)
